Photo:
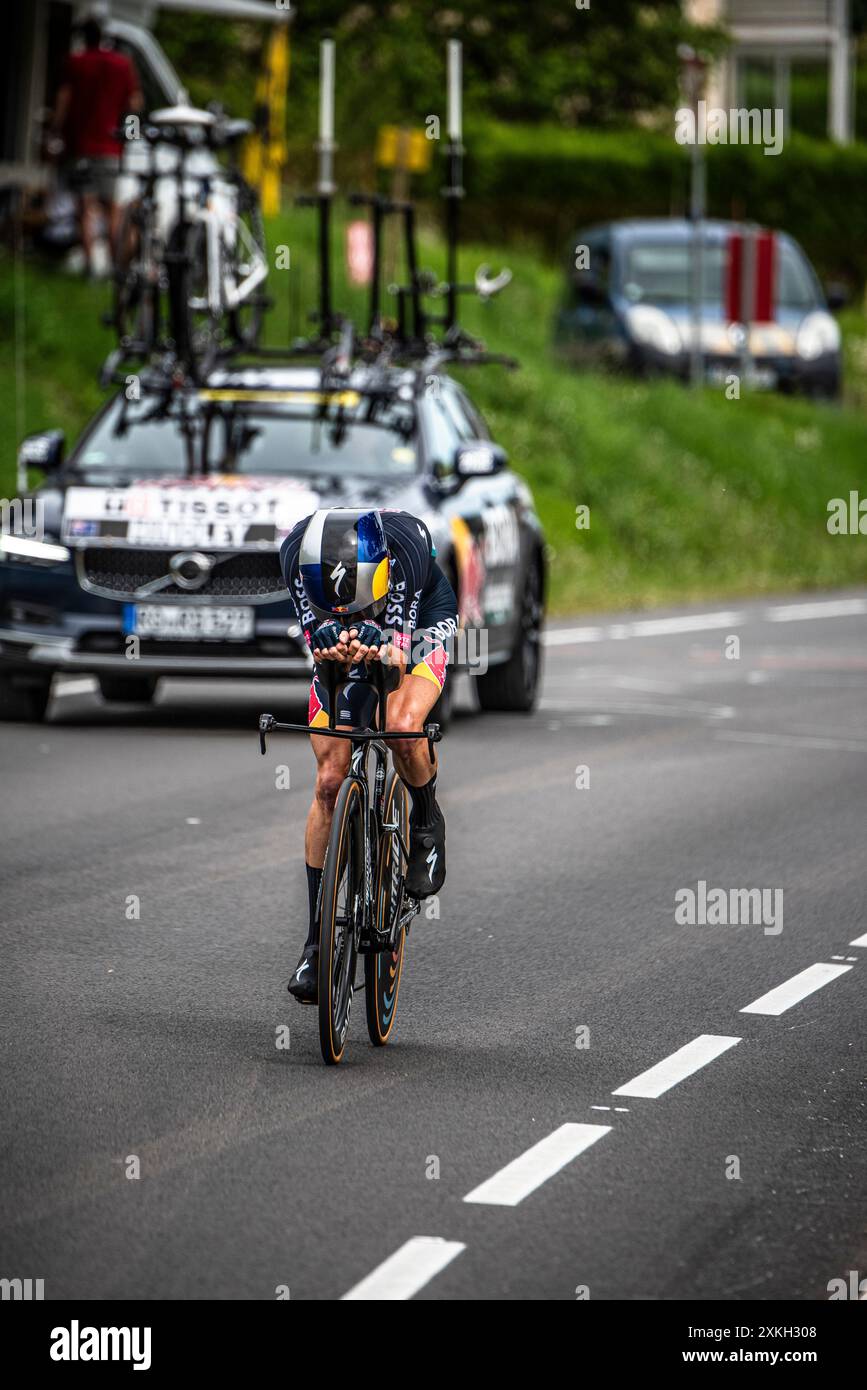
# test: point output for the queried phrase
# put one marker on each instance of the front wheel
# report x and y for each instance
(340, 911)
(382, 969)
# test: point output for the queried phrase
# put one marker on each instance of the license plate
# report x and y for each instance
(188, 624)
(760, 378)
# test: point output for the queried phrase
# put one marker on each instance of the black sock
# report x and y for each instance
(314, 878)
(423, 802)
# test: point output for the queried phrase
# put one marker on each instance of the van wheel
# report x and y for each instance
(23, 701)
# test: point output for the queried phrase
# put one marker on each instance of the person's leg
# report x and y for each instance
(105, 181)
(111, 212)
(332, 764)
(408, 710)
(87, 205)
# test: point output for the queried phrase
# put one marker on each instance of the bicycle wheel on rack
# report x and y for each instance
(132, 307)
(383, 969)
(197, 330)
(246, 254)
(341, 906)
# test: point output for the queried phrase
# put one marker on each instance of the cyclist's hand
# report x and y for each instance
(394, 659)
(365, 640)
(331, 642)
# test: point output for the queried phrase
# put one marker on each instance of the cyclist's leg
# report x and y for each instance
(332, 763)
(408, 709)
(356, 704)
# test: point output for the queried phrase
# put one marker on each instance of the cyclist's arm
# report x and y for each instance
(290, 565)
(412, 557)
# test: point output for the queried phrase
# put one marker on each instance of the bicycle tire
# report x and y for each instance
(197, 346)
(132, 310)
(245, 322)
(383, 969)
(337, 940)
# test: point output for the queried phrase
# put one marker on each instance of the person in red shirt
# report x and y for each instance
(98, 89)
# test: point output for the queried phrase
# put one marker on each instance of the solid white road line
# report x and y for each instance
(407, 1270)
(677, 1067)
(776, 1001)
(703, 622)
(859, 940)
(687, 622)
(834, 745)
(524, 1174)
(644, 627)
(565, 636)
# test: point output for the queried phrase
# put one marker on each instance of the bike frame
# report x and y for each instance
(223, 292)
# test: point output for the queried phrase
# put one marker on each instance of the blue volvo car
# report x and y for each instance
(152, 549)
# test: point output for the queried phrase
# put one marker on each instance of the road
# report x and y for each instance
(556, 977)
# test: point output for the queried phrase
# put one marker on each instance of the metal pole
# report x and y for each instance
(693, 69)
(748, 299)
(418, 325)
(698, 201)
(454, 190)
(325, 187)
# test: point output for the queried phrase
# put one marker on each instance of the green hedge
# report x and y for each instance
(543, 183)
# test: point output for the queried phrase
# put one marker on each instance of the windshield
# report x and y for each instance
(658, 272)
(355, 436)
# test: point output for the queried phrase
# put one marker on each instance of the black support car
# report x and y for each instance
(151, 550)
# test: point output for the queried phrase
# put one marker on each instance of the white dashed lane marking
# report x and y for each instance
(676, 1068)
(777, 1000)
(524, 1174)
(406, 1271)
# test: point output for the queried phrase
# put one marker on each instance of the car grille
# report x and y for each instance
(121, 573)
(114, 644)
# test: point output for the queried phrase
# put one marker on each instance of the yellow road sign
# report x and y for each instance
(400, 148)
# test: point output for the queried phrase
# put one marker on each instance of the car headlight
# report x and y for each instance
(817, 335)
(22, 548)
(653, 328)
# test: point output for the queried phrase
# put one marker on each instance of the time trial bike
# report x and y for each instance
(364, 908)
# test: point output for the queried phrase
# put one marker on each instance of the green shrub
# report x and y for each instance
(542, 183)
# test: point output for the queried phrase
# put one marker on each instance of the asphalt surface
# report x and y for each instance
(157, 1038)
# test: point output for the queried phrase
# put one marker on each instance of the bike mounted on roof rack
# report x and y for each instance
(191, 265)
(418, 339)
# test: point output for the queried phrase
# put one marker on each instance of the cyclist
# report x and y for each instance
(366, 587)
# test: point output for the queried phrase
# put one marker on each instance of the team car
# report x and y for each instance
(152, 550)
